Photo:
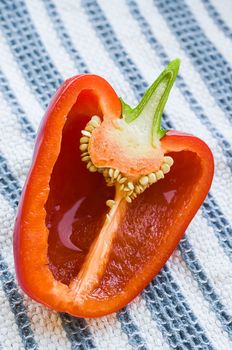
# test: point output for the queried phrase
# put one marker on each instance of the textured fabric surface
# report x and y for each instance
(43, 42)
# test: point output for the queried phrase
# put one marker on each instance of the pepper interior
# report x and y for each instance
(76, 203)
(76, 209)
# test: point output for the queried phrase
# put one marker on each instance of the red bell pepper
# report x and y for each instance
(73, 252)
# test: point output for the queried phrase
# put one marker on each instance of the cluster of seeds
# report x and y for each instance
(132, 189)
(84, 142)
(113, 176)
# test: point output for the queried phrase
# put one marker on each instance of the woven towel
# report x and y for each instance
(42, 42)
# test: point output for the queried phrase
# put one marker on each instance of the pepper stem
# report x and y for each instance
(152, 104)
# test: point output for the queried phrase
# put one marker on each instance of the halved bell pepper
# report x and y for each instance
(108, 196)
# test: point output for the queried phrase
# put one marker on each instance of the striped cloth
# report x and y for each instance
(42, 42)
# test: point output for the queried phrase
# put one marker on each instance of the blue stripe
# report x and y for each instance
(33, 59)
(209, 62)
(135, 339)
(10, 189)
(205, 285)
(216, 17)
(64, 37)
(132, 74)
(115, 49)
(78, 332)
(225, 236)
(9, 186)
(17, 307)
(16, 109)
(221, 226)
(176, 320)
(27, 25)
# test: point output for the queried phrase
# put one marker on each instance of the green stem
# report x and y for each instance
(152, 104)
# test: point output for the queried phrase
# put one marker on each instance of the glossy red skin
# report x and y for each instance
(31, 233)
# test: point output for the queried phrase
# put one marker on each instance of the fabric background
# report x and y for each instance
(42, 42)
